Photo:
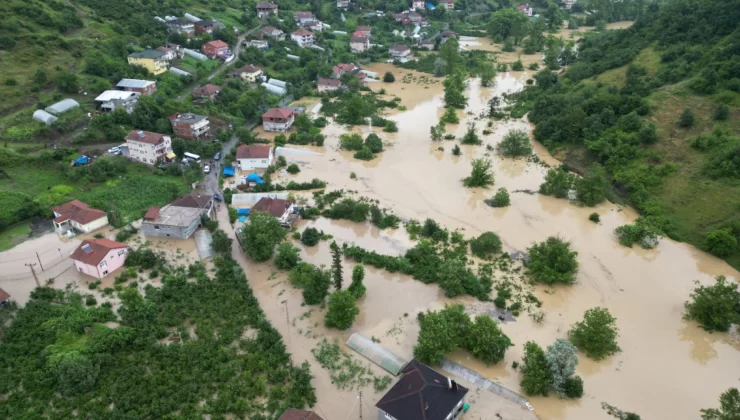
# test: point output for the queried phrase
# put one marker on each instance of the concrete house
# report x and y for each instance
(422, 393)
(265, 9)
(147, 147)
(303, 38)
(181, 26)
(315, 25)
(296, 414)
(253, 157)
(152, 60)
(215, 48)
(260, 44)
(190, 126)
(278, 120)
(273, 33)
(526, 10)
(417, 5)
(171, 222)
(204, 202)
(78, 216)
(328, 85)
(171, 51)
(208, 91)
(144, 87)
(400, 52)
(249, 73)
(276, 207)
(343, 4)
(303, 17)
(111, 100)
(204, 27)
(446, 35)
(446, 4)
(99, 257)
(359, 44)
(343, 68)
(429, 45)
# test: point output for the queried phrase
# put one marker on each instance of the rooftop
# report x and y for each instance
(304, 15)
(187, 117)
(356, 39)
(217, 44)
(302, 32)
(249, 68)
(266, 5)
(253, 152)
(147, 54)
(5, 296)
(77, 211)
(278, 113)
(144, 137)
(270, 29)
(194, 200)
(273, 206)
(421, 394)
(171, 215)
(329, 82)
(135, 83)
(207, 90)
(93, 251)
(296, 414)
(110, 95)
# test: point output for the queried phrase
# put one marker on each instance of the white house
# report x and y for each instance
(149, 148)
(254, 157)
(278, 120)
(400, 52)
(417, 4)
(110, 100)
(303, 38)
(78, 216)
(276, 207)
(358, 44)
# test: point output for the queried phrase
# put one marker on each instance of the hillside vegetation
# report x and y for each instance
(657, 105)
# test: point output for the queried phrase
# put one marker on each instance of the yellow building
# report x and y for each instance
(152, 60)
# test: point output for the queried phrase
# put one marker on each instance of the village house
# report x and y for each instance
(445, 35)
(251, 157)
(303, 38)
(171, 221)
(204, 27)
(328, 85)
(342, 68)
(422, 393)
(99, 257)
(208, 91)
(203, 202)
(343, 4)
(190, 126)
(429, 45)
(366, 29)
(303, 17)
(76, 215)
(147, 147)
(446, 4)
(273, 33)
(152, 60)
(249, 73)
(260, 44)
(215, 48)
(315, 25)
(400, 52)
(526, 10)
(111, 100)
(417, 5)
(144, 87)
(359, 44)
(278, 119)
(361, 33)
(181, 26)
(171, 51)
(568, 4)
(415, 18)
(276, 207)
(5, 297)
(265, 9)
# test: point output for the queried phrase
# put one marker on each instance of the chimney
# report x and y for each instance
(449, 383)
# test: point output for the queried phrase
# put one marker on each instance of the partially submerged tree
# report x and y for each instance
(617, 413)
(342, 310)
(716, 307)
(437, 132)
(591, 189)
(596, 335)
(552, 261)
(287, 256)
(310, 236)
(536, 375)
(558, 183)
(729, 407)
(501, 198)
(486, 245)
(336, 265)
(317, 282)
(471, 137)
(455, 91)
(261, 233)
(514, 144)
(562, 358)
(481, 174)
(357, 288)
(486, 341)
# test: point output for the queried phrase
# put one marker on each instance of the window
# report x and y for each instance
(156, 227)
(103, 264)
(121, 252)
(105, 273)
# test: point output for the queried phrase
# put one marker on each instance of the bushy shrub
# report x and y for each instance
(594, 217)
(342, 310)
(557, 183)
(388, 77)
(481, 174)
(374, 143)
(687, 118)
(552, 261)
(574, 387)
(364, 154)
(501, 198)
(287, 256)
(715, 306)
(486, 245)
(310, 236)
(515, 143)
(596, 335)
(293, 169)
(721, 242)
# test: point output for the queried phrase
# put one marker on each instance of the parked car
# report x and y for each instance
(207, 169)
(115, 150)
(217, 197)
(218, 156)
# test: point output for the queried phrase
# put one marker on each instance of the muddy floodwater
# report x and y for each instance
(668, 367)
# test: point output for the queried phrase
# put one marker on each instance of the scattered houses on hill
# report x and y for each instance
(152, 60)
(328, 85)
(144, 87)
(249, 73)
(149, 148)
(190, 126)
(265, 9)
(208, 91)
(278, 120)
(359, 44)
(303, 38)
(78, 216)
(251, 157)
(277, 208)
(273, 33)
(111, 100)
(99, 257)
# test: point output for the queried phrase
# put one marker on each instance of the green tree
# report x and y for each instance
(557, 183)
(481, 174)
(729, 407)
(310, 236)
(454, 86)
(573, 387)
(293, 169)
(451, 276)
(388, 77)
(449, 117)
(261, 234)
(471, 137)
(507, 22)
(553, 16)
(515, 143)
(316, 284)
(441, 333)
(619, 414)
(486, 341)
(357, 288)
(437, 131)
(287, 256)
(76, 373)
(40, 77)
(501, 198)
(221, 242)
(350, 141)
(715, 307)
(456, 150)
(374, 143)
(591, 189)
(721, 113)
(552, 261)
(342, 310)
(536, 376)
(449, 52)
(336, 265)
(721, 242)
(486, 245)
(440, 67)
(67, 82)
(687, 118)
(562, 357)
(596, 335)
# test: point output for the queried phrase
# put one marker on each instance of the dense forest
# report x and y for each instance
(657, 106)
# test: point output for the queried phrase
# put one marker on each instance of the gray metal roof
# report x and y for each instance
(134, 83)
(62, 106)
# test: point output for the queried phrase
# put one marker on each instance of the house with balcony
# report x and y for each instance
(154, 61)
(249, 73)
(78, 216)
(278, 120)
(215, 48)
(111, 100)
(265, 9)
(190, 126)
(303, 38)
(99, 257)
(256, 156)
(147, 147)
(422, 393)
(144, 87)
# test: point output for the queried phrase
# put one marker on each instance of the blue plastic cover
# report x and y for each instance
(82, 160)
(243, 212)
(256, 178)
(228, 171)
(242, 219)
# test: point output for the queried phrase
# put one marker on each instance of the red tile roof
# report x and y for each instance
(144, 136)
(92, 251)
(77, 211)
(217, 44)
(280, 113)
(253, 152)
(329, 82)
(152, 213)
(363, 28)
(296, 414)
(206, 90)
(273, 206)
(5, 296)
(301, 15)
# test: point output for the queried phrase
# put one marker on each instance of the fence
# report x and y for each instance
(476, 379)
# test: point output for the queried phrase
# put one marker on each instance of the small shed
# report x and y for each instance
(44, 117)
(62, 106)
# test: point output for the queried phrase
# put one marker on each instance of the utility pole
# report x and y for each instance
(34, 274)
(360, 405)
(39, 258)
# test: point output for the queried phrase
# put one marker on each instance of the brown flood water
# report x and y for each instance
(662, 357)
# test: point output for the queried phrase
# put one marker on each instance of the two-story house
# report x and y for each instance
(273, 33)
(249, 73)
(171, 51)
(303, 38)
(417, 4)
(400, 52)
(251, 157)
(215, 48)
(152, 60)
(76, 215)
(181, 26)
(99, 257)
(265, 9)
(190, 126)
(359, 44)
(276, 207)
(208, 91)
(422, 393)
(204, 27)
(344, 68)
(278, 120)
(144, 87)
(303, 17)
(328, 85)
(171, 221)
(147, 147)
(111, 100)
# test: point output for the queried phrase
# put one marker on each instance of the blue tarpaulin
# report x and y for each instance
(228, 171)
(242, 212)
(256, 178)
(82, 160)
(242, 219)
(430, 6)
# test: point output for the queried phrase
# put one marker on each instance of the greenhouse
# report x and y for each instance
(62, 106)
(376, 353)
(44, 117)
